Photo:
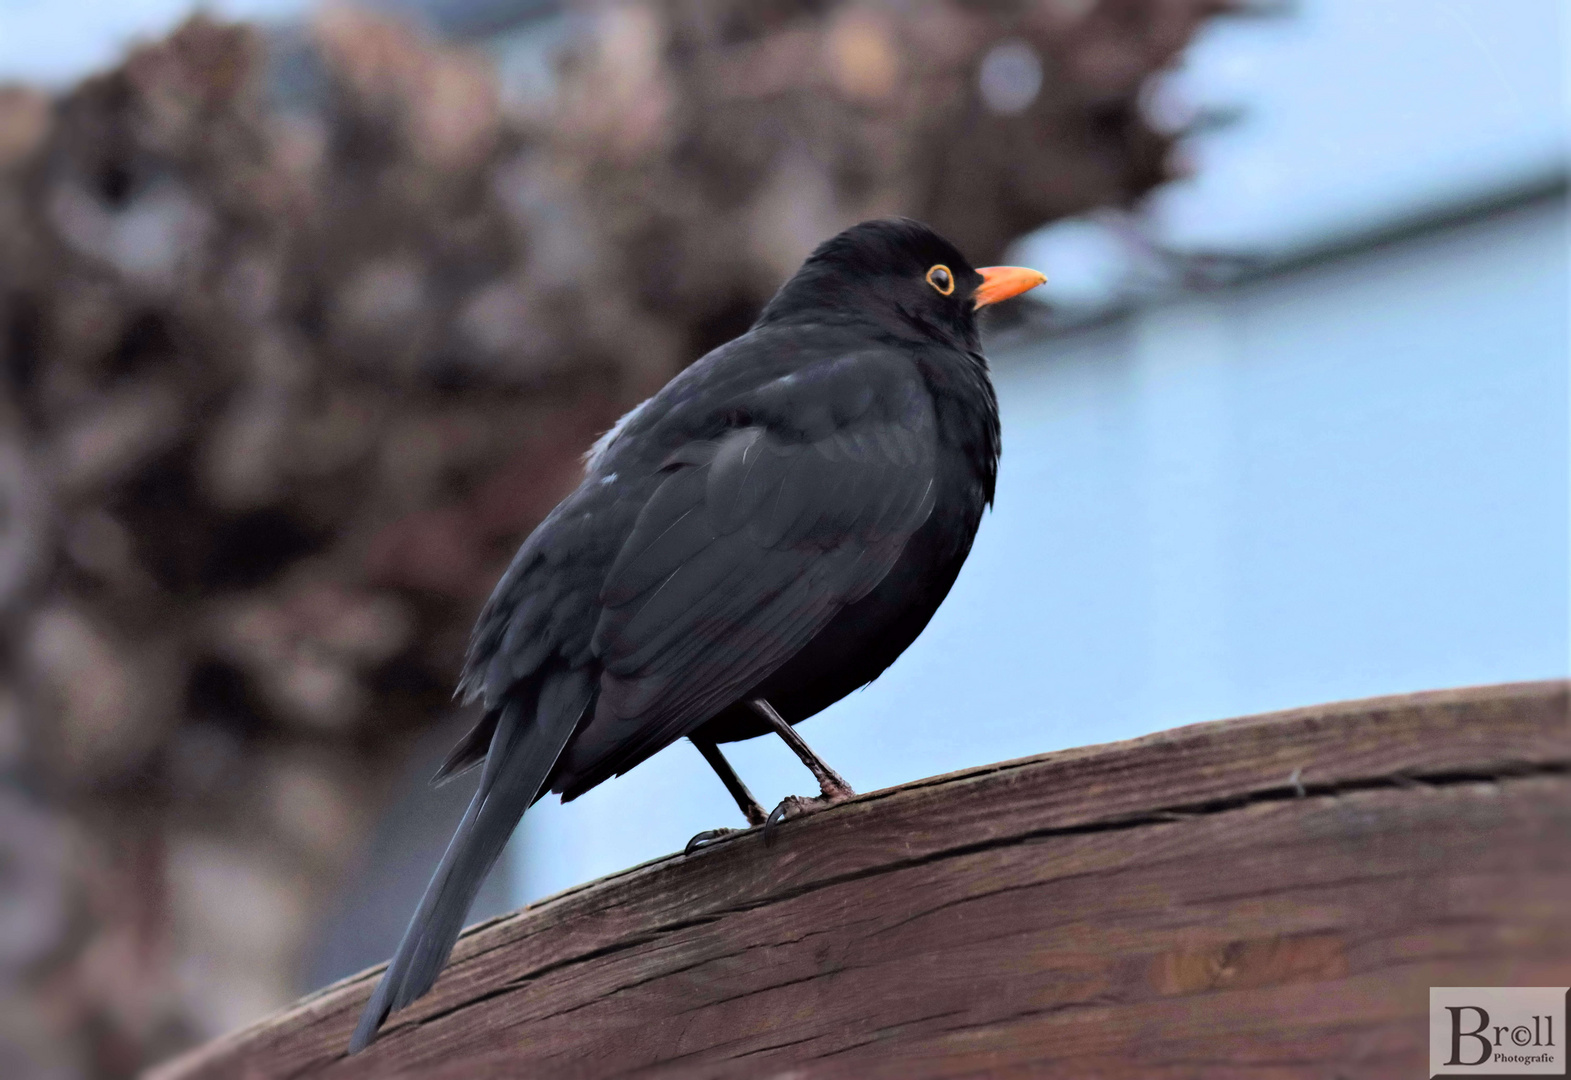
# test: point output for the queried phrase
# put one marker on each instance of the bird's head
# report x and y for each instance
(901, 275)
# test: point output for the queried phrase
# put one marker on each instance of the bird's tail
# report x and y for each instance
(531, 730)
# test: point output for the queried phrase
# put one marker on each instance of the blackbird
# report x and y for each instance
(763, 536)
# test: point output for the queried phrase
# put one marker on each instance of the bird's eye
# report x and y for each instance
(941, 279)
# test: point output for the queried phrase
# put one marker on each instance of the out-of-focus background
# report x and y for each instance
(307, 313)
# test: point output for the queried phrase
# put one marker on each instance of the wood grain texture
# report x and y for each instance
(1268, 897)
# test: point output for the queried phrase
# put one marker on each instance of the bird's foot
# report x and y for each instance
(795, 806)
(707, 837)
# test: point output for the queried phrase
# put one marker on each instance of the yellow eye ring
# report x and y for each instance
(941, 279)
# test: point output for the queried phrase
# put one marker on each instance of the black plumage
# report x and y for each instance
(763, 536)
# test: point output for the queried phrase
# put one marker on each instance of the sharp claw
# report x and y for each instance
(793, 806)
(776, 816)
(705, 838)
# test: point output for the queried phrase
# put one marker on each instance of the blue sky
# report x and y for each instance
(1355, 111)
(1352, 113)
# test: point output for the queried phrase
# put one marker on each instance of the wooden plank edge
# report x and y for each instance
(330, 1001)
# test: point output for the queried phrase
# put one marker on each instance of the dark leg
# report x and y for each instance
(830, 782)
(733, 783)
(831, 785)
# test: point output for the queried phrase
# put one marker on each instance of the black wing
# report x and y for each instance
(543, 609)
(752, 542)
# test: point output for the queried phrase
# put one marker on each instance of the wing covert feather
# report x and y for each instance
(749, 547)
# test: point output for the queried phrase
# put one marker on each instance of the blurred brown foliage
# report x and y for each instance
(299, 335)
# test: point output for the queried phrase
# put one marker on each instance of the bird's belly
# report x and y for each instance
(865, 638)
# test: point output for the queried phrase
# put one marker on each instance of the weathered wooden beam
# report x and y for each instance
(1265, 897)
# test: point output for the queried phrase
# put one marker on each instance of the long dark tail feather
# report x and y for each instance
(523, 751)
(470, 751)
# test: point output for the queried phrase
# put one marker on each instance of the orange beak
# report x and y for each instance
(1002, 282)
